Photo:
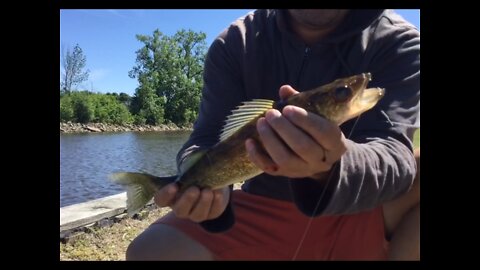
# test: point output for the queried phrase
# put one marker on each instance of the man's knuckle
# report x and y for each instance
(192, 195)
(277, 122)
(206, 197)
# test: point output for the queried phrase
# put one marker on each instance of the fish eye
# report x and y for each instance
(342, 94)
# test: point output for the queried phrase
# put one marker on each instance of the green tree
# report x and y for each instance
(171, 67)
(125, 99)
(73, 73)
(147, 106)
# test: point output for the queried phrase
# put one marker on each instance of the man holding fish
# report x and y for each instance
(329, 170)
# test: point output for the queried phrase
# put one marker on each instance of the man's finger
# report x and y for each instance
(323, 131)
(166, 195)
(286, 91)
(201, 210)
(185, 203)
(276, 149)
(296, 139)
(258, 157)
(219, 202)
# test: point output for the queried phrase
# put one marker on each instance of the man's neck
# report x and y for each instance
(308, 33)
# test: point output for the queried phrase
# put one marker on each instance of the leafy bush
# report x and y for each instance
(66, 109)
(84, 107)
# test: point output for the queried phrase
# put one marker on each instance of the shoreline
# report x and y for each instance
(107, 239)
(70, 127)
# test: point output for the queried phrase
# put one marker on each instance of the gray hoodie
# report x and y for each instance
(258, 53)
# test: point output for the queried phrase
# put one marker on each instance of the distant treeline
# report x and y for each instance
(169, 71)
(86, 107)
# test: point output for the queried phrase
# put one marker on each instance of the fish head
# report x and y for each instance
(340, 100)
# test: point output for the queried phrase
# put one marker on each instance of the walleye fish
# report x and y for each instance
(227, 163)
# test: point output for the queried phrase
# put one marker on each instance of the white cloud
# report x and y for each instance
(138, 13)
(102, 12)
(116, 13)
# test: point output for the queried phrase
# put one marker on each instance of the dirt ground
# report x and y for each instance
(108, 243)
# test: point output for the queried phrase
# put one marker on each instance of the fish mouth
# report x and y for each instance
(366, 100)
(371, 96)
(360, 82)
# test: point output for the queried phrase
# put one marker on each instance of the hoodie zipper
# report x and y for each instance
(306, 53)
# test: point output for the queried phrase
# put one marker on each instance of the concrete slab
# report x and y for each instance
(78, 215)
(87, 213)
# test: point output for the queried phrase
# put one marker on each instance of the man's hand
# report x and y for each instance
(194, 204)
(296, 143)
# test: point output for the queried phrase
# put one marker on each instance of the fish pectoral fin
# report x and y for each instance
(243, 115)
(190, 160)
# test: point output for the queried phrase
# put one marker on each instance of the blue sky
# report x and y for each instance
(107, 37)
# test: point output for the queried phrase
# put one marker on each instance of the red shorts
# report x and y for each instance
(268, 229)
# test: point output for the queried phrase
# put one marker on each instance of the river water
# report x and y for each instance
(86, 160)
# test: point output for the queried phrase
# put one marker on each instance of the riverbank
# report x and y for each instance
(108, 239)
(110, 242)
(70, 127)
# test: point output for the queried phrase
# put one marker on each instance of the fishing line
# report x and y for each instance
(310, 219)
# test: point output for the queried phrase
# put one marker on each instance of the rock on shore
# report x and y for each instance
(70, 127)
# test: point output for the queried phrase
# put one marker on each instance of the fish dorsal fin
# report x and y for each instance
(243, 115)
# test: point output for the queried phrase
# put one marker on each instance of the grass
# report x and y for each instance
(110, 243)
(416, 138)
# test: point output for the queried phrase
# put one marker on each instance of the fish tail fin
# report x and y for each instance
(140, 188)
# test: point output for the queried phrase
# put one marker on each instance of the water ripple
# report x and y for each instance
(86, 160)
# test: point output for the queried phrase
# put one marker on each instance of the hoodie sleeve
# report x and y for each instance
(379, 164)
(222, 91)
